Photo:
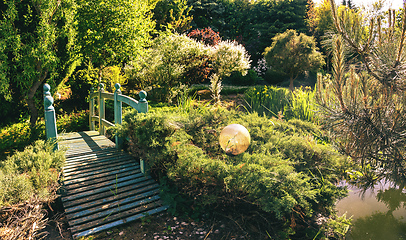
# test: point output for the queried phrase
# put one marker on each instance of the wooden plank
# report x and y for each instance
(115, 195)
(102, 189)
(76, 202)
(109, 164)
(121, 200)
(92, 155)
(104, 227)
(113, 214)
(126, 172)
(94, 163)
(94, 177)
(99, 173)
(114, 182)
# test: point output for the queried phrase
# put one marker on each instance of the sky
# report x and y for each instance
(395, 4)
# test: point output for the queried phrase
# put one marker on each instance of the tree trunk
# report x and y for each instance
(291, 85)
(31, 103)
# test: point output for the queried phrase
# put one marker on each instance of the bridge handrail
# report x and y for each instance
(141, 106)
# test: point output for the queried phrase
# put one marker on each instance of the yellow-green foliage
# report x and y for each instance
(280, 102)
(34, 171)
(19, 135)
(287, 169)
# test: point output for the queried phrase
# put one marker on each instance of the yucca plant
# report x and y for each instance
(364, 105)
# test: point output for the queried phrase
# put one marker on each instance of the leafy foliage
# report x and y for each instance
(251, 23)
(286, 172)
(172, 15)
(170, 58)
(34, 171)
(111, 32)
(207, 36)
(37, 41)
(174, 59)
(363, 105)
(19, 135)
(293, 54)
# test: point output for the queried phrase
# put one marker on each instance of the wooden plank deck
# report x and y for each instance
(103, 187)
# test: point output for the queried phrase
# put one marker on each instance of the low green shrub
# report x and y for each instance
(19, 135)
(236, 78)
(287, 171)
(29, 173)
(74, 122)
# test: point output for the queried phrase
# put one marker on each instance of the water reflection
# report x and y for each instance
(378, 213)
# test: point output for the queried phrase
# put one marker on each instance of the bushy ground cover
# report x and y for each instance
(287, 174)
(28, 180)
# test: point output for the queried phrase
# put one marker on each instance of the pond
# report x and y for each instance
(378, 213)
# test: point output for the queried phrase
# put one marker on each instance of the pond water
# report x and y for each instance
(378, 214)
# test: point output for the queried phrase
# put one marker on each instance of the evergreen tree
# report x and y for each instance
(293, 54)
(344, 3)
(364, 104)
(350, 5)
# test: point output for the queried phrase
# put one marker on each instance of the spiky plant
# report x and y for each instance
(364, 105)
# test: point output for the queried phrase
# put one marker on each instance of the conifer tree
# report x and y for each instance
(364, 104)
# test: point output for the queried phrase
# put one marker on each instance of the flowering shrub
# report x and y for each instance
(177, 59)
(261, 67)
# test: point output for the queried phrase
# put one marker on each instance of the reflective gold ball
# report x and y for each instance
(234, 139)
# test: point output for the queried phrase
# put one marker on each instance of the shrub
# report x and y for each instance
(74, 122)
(34, 171)
(19, 135)
(177, 59)
(287, 172)
(170, 58)
(28, 180)
(207, 36)
(237, 78)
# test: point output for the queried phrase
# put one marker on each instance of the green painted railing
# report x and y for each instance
(141, 106)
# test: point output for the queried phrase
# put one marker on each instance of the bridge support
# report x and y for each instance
(50, 120)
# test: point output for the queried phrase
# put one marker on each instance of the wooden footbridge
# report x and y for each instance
(103, 186)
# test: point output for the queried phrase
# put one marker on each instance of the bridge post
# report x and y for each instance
(102, 109)
(143, 102)
(91, 110)
(50, 120)
(118, 112)
(143, 109)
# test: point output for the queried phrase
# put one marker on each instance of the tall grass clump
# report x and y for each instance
(282, 103)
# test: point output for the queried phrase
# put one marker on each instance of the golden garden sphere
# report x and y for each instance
(234, 139)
